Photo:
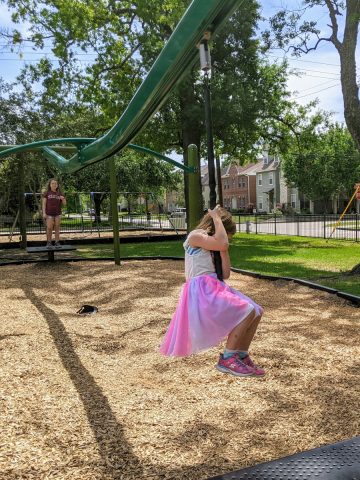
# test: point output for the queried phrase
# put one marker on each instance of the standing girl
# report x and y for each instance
(208, 309)
(51, 206)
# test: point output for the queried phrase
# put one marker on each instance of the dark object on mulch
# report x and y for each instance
(87, 310)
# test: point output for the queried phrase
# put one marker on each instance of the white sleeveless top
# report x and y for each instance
(198, 261)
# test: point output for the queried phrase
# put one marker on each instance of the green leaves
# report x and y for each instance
(327, 163)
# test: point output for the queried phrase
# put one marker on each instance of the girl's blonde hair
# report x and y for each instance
(207, 223)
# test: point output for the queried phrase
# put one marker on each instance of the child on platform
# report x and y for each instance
(52, 202)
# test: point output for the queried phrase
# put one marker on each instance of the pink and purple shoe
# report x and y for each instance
(234, 365)
(257, 371)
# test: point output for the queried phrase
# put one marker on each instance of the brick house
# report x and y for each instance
(239, 186)
(234, 193)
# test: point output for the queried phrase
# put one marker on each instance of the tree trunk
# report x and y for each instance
(98, 199)
(349, 85)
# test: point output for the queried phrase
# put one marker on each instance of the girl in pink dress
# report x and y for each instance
(208, 309)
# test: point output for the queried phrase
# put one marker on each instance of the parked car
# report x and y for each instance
(178, 212)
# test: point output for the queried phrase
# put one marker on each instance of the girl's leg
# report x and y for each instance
(235, 340)
(49, 228)
(57, 228)
(249, 334)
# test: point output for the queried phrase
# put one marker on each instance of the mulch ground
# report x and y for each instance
(90, 398)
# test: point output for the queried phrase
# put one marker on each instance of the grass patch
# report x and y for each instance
(172, 249)
(315, 259)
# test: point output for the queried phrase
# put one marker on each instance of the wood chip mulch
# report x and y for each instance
(90, 398)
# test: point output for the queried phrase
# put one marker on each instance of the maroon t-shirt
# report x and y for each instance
(53, 203)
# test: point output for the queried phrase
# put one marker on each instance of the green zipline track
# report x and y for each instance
(6, 150)
(179, 54)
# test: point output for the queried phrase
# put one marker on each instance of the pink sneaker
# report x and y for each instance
(257, 371)
(234, 366)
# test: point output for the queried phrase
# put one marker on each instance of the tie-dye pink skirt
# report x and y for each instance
(206, 313)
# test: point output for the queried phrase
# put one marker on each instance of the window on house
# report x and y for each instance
(271, 178)
(260, 203)
(293, 200)
(244, 183)
(260, 179)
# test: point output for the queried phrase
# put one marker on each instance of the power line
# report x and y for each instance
(313, 93)
(316, 71)
(316, 86)
(305, 61)
(52, 60)
(46, 53)
(316, 76)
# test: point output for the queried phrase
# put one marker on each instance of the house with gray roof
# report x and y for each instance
(272, 190)
(268, 185)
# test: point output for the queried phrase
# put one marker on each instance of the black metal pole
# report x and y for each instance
(22, 207)
(219, 184)
(211, 161)
(210, 140)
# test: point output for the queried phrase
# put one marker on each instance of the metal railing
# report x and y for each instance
(306, 225)
(88, 223)
(89, 212)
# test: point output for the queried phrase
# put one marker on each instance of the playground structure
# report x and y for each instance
(355, 196)
(202, 19)
(117, 451)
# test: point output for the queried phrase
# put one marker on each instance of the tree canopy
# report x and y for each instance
(293, 30)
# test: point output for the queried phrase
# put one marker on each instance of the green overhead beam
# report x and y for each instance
(7, 150)
(177, 57)
(42, 146)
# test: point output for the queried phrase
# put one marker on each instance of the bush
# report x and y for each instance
(249, 208)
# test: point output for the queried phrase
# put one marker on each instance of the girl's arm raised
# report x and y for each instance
(218, 242)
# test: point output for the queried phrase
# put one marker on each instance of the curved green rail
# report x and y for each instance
(179, 54)
(80, 143)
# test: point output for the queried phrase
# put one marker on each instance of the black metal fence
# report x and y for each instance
(90, 224)
(321, 226)
(90, 213)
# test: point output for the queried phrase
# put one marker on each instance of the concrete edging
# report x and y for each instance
(348, 296)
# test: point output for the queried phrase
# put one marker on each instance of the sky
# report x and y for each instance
(315, 75)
